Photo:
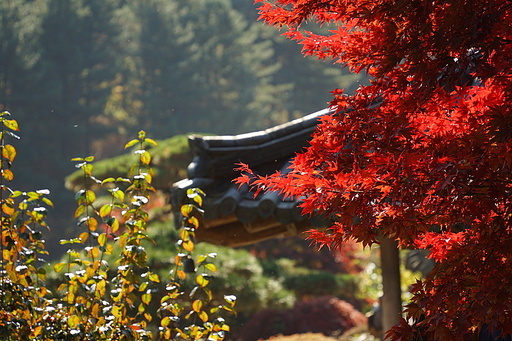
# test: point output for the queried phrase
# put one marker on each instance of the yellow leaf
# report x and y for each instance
(117, 311)
(9, 152)
(145, 158)
(165, 321)
(181, 274)
(92, 224)
(131, 143)
(59, 267)
(73, 321)
(102, 239)
(151, 141)
(7, 174)
(188, 245)
(79, 211)
(146, 298)
(83, 236)
(211, 267)
(202, 281)
(11, 124)
(105, 210)
(203, 316)
(197, 305)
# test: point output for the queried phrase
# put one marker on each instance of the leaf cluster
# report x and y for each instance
(421, 154)
(98, 300)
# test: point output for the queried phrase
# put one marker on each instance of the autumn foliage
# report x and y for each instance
(421, 154)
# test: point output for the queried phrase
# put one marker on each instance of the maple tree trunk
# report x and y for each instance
(391, 299)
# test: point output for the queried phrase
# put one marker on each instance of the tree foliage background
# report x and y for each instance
(81, 76)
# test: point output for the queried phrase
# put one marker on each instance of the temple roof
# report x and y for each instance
(234, 216)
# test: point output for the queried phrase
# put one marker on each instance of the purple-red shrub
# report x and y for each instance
(326, 315)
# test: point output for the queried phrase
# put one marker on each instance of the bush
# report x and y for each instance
(327, 315)
(96, 299)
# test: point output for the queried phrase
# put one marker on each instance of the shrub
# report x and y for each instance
(98, 300)
(327, 315)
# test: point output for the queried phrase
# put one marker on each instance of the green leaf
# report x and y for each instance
(141, 135)
(107, 180)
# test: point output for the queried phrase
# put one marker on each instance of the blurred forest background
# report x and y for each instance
(83, 76)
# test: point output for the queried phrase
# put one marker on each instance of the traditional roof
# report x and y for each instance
(233, 215)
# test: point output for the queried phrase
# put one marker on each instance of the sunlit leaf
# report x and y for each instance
(197, 305)
(131, 143)
(59, 267)
(11, 124)
(211, 267)
(118, 194)
(79, 211)
(146, 298)
(193, 221)
(73, 321)
(9, 152)
(203, 316)
(186, 210)
(105, 210)
(202, 281)
(47, 201)
(92, 224)
(165, 321)
(87, 168)
(102, 239)
(90, 197)
(150, 141)
(117, 311)
(188, 245)
(154, 277)
(145, 158)
(201, 259)
(83, 236)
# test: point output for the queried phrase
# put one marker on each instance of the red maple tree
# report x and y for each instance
(422, 154)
